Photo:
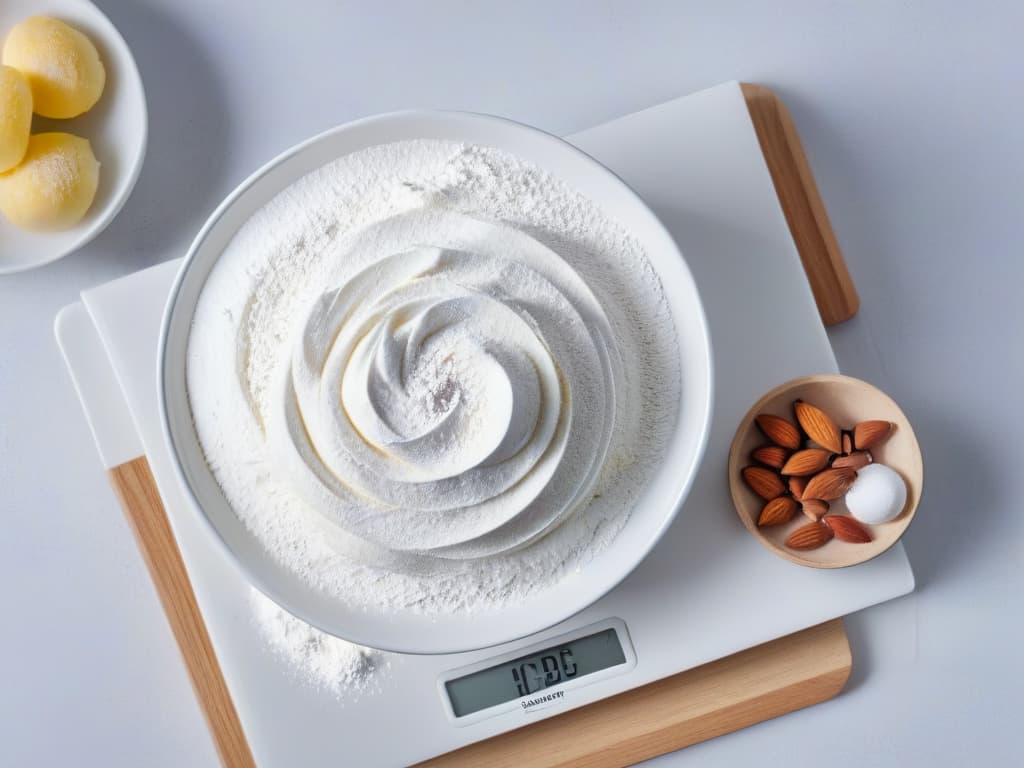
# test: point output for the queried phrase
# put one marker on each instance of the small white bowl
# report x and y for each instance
(116, 127)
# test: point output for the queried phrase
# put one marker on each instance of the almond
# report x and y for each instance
(797, 486)
(777, 511)
(830, 484)
(810, 536)
(779, 430)
(819, 426)
(869, 433)
(847, 442)
(814, 508)
(806, 462)
(856, 460)
(772, 455)
(847, 529)
(763, 482)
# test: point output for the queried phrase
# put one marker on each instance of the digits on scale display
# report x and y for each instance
(530, 678)
(524, 676)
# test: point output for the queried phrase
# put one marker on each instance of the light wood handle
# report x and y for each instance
(136, 489)
(801, 202)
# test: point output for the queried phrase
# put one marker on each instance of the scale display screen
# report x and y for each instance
(532, 674)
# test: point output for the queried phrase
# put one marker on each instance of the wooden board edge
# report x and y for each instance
(726, 695)
(802, 205)
(140, 500)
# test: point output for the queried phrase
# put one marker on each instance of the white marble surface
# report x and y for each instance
(910, 115)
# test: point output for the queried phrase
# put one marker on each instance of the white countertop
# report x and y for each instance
(908, 115)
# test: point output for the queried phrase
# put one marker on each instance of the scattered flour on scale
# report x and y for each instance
(323, 661)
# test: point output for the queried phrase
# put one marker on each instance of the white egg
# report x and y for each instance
(878, 495)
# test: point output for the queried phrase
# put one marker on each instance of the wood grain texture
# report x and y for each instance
(784, 675)
(136, 489)
(805, 211)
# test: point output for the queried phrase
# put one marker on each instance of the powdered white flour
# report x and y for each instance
(432, 377)
(323, 661)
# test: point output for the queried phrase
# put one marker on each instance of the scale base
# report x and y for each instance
(723, 696)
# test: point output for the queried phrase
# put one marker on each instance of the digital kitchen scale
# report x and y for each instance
(535, 678)
(696, 598)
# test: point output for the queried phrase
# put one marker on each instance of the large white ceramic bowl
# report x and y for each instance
(657, 506)
(116, 127)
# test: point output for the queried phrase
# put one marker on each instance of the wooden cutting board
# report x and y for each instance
(784, 675)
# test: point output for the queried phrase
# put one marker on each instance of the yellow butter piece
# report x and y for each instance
(15, 117)
(53, 186)
(61, 65)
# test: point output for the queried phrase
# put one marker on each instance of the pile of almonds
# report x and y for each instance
(807, 467)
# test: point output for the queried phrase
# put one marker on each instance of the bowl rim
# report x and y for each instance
(736, 485)
(164, 372)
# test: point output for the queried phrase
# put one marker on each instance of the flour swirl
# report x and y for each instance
(429, 399)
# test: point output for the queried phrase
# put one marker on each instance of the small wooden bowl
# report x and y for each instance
(848, 401)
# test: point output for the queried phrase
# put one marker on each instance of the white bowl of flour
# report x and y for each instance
(436, 380)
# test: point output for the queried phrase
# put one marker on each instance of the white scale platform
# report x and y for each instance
(697, 162)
